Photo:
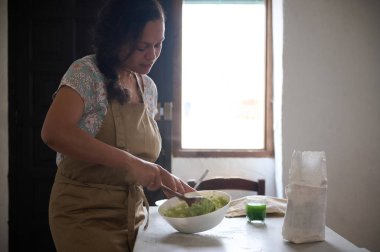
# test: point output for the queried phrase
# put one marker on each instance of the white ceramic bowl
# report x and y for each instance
(197, 223)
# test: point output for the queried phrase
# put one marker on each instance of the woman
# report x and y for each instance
(101, 123)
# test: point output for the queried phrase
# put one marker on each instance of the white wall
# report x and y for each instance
(331, 102)
(3, 126)
(278, 37)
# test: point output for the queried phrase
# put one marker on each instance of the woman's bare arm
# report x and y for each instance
(61, 133)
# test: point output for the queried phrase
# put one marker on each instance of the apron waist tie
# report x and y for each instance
(134, 191)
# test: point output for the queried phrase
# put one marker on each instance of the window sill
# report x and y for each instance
(194, 153)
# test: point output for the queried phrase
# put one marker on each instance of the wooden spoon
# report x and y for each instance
(188, 199)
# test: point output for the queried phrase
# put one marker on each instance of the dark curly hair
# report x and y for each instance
(121, 22)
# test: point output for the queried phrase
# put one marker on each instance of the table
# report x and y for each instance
(232, 234)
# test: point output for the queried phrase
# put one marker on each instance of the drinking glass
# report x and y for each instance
(256, 209)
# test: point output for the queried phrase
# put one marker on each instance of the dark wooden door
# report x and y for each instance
(45, 37)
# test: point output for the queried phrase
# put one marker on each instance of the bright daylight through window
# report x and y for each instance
(223, 97)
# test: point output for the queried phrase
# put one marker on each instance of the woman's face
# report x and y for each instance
(147, 50)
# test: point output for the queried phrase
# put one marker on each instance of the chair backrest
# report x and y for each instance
(231, 184)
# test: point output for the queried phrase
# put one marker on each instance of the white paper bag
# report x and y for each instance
(305, 215)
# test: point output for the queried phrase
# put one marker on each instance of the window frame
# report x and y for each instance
(178, 151)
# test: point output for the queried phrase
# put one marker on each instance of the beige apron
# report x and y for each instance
(97, 208)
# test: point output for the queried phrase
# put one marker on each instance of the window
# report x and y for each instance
(223, 90)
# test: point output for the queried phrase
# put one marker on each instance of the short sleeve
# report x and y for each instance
(85, 78)
(150, 95)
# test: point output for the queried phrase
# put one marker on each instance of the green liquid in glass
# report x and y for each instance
(256, 212)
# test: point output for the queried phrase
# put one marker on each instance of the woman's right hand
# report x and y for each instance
(151, 176)
(146, 173)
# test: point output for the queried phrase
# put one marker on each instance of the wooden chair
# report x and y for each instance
(231, 184)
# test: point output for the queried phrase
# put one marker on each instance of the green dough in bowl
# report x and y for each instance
(203, 207)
